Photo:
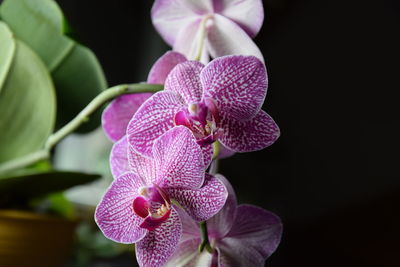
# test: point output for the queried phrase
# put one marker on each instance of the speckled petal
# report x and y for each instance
(144, 167)
(253, 238)
(203, 203)
(190, 228)
(225, 37)
(179, 159)
(184, 79)
(255, 134)
(158, 245)
(249, 14)
(153, 118)
(163, 67)
(237, 83)
(119, 158)
(169, 16)
(219, 225)
(208, 152)
(115, 216)
(119, 112)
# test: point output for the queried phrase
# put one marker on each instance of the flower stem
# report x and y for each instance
(205, 243)
(81, 118)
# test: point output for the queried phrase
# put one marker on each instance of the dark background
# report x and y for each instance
(333, 176)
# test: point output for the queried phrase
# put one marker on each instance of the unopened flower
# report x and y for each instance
(139, 207)
(120, 111)
(221, 101)
(239, 235)
(213, 27)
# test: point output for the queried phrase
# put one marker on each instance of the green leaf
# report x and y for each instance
(27, 105)
(7, 49)
(76, 73)
(27, 184)
(78, 80)
(39, 24)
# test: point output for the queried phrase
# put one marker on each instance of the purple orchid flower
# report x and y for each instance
(225, 26)
(221, 101)
(139, 206)
(243, 235)
(120, 111)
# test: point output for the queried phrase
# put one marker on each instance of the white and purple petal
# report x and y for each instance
(119, 158)
(225, 37)
(158, 245)
(179, 159)
(208, 152)
(142, 166)
(154, 118)
(184, 79)
(169, 16)
(225, 152)
(249, 14)
(187, 255)
(238, 84)
(255, 134)
(255, 235)
(220, 224)
(203, 203)
(163, 66)
(115, 216)
(119, 112)
(187, 40)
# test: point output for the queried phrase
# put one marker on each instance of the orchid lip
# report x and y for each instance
(203, 119)
(142, 206)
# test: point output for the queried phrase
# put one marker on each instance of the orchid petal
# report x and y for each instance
(225, 152)
(225, 37)
(249, 14)
(141, 206)
(153, 118)
(200, 6)
(119, 112)
(255, 134)
(190, 228)
(201, 204)
(184, 79)
(188, 39)
(163, 67)
(179, 159)
(119, 158)
(208, 152)
(253, 238)
(142, 166)
(115, 216)
(238, 84)
(168, 16)
(158, 245)
(219, 225)
(187, 255)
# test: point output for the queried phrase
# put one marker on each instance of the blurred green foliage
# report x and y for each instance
(41, 67)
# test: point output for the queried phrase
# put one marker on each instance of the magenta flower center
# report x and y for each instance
(154, 205)
(202, 118)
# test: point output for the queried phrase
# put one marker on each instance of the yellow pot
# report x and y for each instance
(30, 239)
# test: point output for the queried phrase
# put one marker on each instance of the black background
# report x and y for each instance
(333, 176)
